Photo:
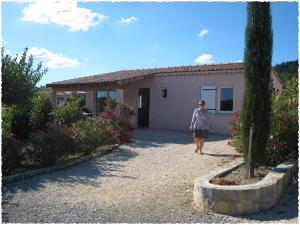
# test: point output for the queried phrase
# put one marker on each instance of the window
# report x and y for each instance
(208, 94)
(226, 99)
(164, 93)
(60, 100)
(101, 97)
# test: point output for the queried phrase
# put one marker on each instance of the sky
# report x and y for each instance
(75, 39)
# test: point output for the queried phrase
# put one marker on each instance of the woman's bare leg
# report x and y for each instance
(201, 143)
(197, 144)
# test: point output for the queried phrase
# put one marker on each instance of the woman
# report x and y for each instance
(200, 125)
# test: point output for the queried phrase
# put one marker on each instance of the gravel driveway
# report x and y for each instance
(147, 181)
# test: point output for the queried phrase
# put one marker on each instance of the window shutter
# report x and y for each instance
(119, 95)
(208, 94)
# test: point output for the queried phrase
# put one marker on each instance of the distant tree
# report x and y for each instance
(287, 70)
(19, 78)
(256, 108)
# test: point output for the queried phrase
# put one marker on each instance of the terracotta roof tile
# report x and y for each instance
(129, 74)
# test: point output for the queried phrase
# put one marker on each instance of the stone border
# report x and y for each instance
(242, 199)
(71, 162)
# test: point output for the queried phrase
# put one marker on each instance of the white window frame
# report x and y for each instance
(161, 91)
(219, 102)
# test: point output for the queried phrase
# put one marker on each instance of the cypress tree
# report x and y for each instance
(256, 109)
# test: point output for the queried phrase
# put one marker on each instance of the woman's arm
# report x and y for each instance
(193, 119)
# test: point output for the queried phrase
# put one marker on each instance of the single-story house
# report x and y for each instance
(165, 98)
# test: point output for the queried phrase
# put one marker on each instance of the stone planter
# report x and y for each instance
(242, 199)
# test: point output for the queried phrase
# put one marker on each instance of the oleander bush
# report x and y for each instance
(93, 132)
(122, 121)
(236, 133)
(283, 139)
(69, 112)
(51, 146)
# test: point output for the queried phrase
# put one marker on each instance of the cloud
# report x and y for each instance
(3, 42)
(202, 33)
(63, 13)
(204, 59)
(86, 59)
(240, 61)
(52, 60)
(128, 20)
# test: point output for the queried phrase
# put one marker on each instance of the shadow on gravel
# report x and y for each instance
(145, 138)
(86, 173)
(285, 209)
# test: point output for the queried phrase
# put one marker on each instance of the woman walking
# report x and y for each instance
(200, 125)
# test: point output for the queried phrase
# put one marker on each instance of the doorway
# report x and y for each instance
(143, 107)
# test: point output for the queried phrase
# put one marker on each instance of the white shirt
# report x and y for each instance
(201, 120)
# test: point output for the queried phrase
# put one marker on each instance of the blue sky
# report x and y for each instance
(87, 38)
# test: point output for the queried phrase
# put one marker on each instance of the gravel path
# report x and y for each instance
(147, 181)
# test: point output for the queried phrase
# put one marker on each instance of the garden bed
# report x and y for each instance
(239, 176)
(242, 199)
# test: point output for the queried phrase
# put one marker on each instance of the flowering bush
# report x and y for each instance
(50, 146)
(122, 122)
(236, 133)
(92, 133)
(283, 141)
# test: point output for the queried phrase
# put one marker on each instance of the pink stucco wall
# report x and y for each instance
(175, 112)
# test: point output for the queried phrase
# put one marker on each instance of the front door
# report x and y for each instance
(143, 107)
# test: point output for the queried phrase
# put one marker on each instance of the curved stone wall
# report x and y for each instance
(242, 199)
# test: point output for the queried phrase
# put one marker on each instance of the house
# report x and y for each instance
(165, 98)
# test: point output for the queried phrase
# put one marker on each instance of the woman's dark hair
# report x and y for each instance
(201, 102)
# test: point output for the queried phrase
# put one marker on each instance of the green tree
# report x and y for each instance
(257, 68)
(40, 113)
(287, 70)
(19, 78)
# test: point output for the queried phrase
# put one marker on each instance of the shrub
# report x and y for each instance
(48, 147)
(122, 122)
(11, 150)
(40, 115)
(236, 133)
(16, 117)
(283, 141)
(11, 153)
(92, 133)
(69, 112)
(125, 123)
